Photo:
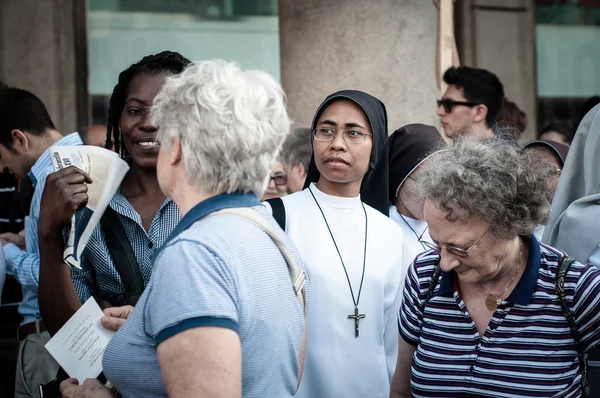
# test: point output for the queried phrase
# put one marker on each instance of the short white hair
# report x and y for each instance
(231, 123)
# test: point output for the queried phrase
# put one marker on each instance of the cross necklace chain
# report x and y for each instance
(492, 300)
(356, 315)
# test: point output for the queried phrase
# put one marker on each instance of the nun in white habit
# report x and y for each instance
(409, 147)
(574, 225)
(353, 251)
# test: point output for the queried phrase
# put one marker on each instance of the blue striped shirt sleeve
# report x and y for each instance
(83, 281)
(25, 265)
(195, 284)
(586, 305)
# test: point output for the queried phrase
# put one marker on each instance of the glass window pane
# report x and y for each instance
(121, 32)
(568, 58)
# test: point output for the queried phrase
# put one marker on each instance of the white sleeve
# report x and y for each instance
(390, 334)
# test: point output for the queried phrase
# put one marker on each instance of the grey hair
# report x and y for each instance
(297, 148)
(231, 123)
(492, 180)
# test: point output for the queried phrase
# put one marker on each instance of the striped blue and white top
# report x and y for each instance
(527, 349)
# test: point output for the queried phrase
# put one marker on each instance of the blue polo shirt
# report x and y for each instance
(527, 349)
(219, 271)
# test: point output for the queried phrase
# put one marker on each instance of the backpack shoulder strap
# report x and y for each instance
(297, 275)
(278, 211)
(123, 257)
(563, 268)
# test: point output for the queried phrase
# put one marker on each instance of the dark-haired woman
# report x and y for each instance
(145, 215)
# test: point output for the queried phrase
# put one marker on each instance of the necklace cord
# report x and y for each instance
(413, 231)
(513, 278)
(362, 278)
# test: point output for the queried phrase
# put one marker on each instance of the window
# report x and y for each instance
(121, 32)
(568, 58)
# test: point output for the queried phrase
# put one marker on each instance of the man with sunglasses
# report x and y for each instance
(471, 103)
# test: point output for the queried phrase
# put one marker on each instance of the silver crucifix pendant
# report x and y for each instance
(357, 317)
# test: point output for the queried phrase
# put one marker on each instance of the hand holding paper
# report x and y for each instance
(65, 193)
(79, 345)
(105, 170)
(115, 317)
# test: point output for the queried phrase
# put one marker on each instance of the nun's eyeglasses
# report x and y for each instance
(329, 134)
(449, 103)
(460, 252)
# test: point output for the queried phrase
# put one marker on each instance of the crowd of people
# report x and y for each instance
(241, 257)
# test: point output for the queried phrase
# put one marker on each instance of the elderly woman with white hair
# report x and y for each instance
(489, 311)
(223, 313)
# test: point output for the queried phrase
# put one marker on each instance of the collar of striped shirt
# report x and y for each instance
(524, 289)
(40, 167)
(210, 205)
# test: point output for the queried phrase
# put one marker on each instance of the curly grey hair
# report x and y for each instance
(492, 180)
(297, 148)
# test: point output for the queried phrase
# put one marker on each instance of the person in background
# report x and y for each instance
(574, 220)
(26, 132)
(512, 116)
(220, 317)
(410, 147)
(472, 102)
(557, 132)
(295, 154)
(481, 314)
(554, 154)
(278, 181)
(353, 251)
(147, 217)
(95, 135)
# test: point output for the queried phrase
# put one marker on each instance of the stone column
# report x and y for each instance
(499, 35)
(43, 49)
(383, 47)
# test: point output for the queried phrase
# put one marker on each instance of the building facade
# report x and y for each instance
(70, 52)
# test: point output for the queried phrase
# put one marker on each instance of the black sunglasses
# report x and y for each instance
(449, 103)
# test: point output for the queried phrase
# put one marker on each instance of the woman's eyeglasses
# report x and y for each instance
(449, 103)
(460, 252)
